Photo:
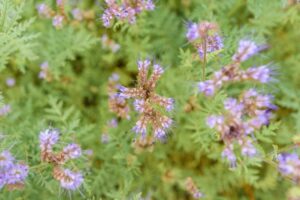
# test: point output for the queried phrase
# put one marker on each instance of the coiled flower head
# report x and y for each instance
(146, 100)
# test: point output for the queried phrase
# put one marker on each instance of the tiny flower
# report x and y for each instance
(10, 82)
(71, 180)
(57, 21)
(113, 123)
(72, 151)
(192, 33)
(246, 49)
(43, 10)
(230, 156)
(248, 149)
(207, 87)
(17, 174)
(4, 110)
(261, 74)
(48, 138)
(59, 2)
(6, 159)
(213, 120)
(77, 14)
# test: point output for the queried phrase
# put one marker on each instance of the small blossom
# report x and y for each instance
(213, 120)
(125, 11)
(192, 33)
(6, 159)
(246, 49)
(192, 188)
(48, 138)
(10, 82)
(44, 10)
(17, 174)
(288, 164)
(5, 109)
(77, 14)
(261, 74)
(230, 156)
(207, 87)
(248, 149)
(44, 70)
(57, 21)
(72, 151)
(69, 180)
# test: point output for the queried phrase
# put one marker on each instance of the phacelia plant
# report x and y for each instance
(146, 99)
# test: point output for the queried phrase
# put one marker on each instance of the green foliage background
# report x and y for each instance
(75, 100)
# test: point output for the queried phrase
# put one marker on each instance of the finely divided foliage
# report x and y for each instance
(149, 100)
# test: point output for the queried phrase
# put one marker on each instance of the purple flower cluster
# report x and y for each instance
(68, 179)
(43, 74)
(4, 110)
(117, 104)
(146, 100)
(204, 36)
(233, 73)
(126, 11)
(289, 165)
(12, 174)
(241, 118)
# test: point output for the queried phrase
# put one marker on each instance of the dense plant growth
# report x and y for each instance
(145, 99)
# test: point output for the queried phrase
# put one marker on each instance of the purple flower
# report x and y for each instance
(288, 164)
(114, 77)
(72, 151)
(57, 21)
(233, 106)
(140, 127)
(248, 149)
(72, 180)
(213, 43)
(77, 14)
(107, 17)
(48, 138)
(113, 123)
(261, 74)
(139, 105)
(193, 32)
(17, 174)
(158, 69)
(230, 156)
(10, 82)
(6, 159)
(59, 2)
(245, 50)
(207, 87)
(143, 65)
(4, 110)
(170, 104)
(213, 120)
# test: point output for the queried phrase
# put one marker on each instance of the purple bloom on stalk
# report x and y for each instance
(193, 32)
(6, 159)
(48, 138)
(170, 104)
(139, 105)
(261, 74)
(72, 180)
(246, 49)
(233, 106)
(72, 151)
(140, 128)
(17, 173)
